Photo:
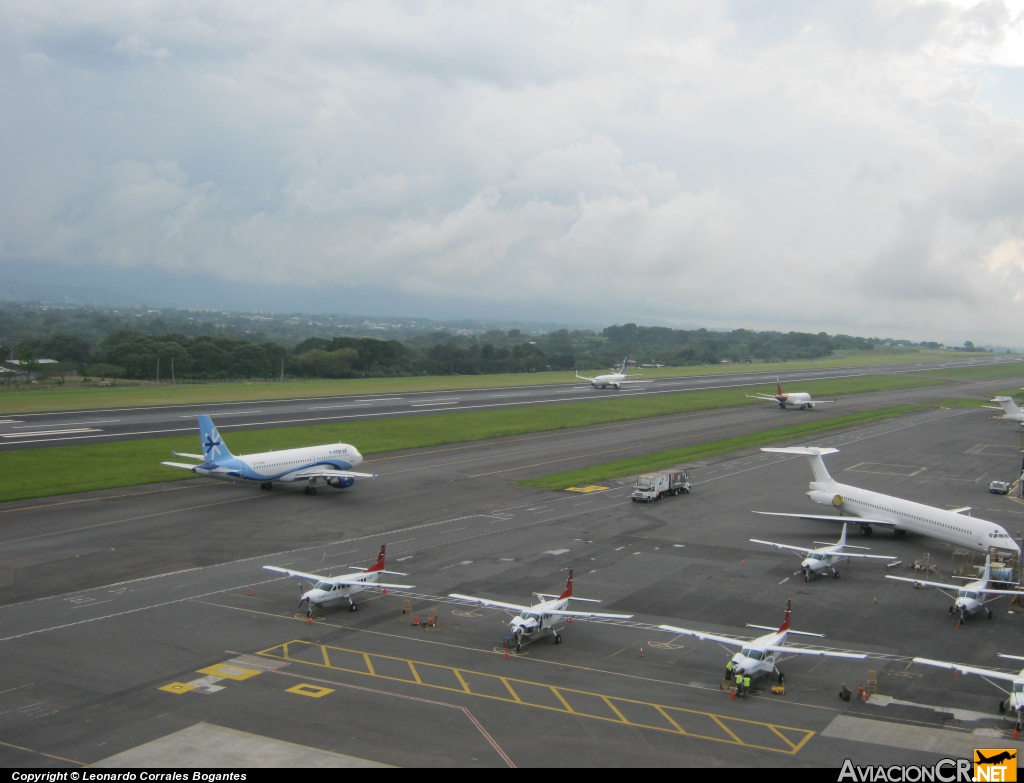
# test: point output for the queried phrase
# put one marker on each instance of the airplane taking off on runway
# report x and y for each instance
(1016, 701)
(539, 620)
(867, 508)
(615, 380)
(1011, 411)
(758, 656)
(331, 464)
(825, 557)
(968, 598)
(330, 590)
(801, 400)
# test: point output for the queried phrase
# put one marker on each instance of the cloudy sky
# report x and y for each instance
(836, 166)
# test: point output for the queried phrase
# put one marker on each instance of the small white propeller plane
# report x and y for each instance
(759, 656)
(801, 400)
(968, 598)
(330, 590)
(1016, 693)
(615, 380)
(815, 561)
(539, 620)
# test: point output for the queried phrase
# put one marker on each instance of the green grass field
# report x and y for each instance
(665, 459)
(74, 396)
(30, 473)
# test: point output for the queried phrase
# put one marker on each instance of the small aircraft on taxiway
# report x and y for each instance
(330, 590)
(968, 598)
(759, 656)
(1015, 702)
(534, 622)
(815, 561)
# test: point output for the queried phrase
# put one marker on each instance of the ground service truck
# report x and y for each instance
(656, 486)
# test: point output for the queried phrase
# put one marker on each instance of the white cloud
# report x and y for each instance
(823, 167)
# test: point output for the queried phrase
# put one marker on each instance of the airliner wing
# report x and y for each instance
(765, 397)
(958, 667)
(325, 472)
(583, 377)
(299, 574)
(705, 636)
(818, 402)
(496, 604)
(830, 517)
(178, 465)
(825, 653)
(190, 456)
(843, 553)
(584, 615)
(649, 380)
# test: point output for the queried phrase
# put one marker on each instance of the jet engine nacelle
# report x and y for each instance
(340, 483)
(826, 498)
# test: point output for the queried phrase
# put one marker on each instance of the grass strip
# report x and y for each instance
(664, 459)
(71, 396)
(58, 470)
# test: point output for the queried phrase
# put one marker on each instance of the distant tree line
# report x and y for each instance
(136, 355)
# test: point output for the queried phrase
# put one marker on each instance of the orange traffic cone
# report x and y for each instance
(385, 591)
(732, 694)
(743, 562)
(958, 624)
(250, 591)
(506, 653)
(800, 584)
(416, 620)
(641, 652)
(570, 619)
(309, 620)
(875, 601)
(1015, 732)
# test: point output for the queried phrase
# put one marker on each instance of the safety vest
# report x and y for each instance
(739, 679)
(746, 682)
(728, 666)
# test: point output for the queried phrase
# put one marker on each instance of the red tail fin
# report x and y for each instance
(379, 565)
(567, 593)
(778, 385)
(785, 623)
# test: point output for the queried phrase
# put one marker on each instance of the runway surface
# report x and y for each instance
(125, 615)
(36, 430)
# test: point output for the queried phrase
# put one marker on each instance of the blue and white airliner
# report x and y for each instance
(330, 464)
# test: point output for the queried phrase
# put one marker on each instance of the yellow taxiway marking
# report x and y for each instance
(645, 715)
(177, 687)
(305, 689)
(229, 672)
(588, 488)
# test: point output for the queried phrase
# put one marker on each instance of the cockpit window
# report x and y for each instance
(324, 586)
(745, 652)
(1018, 687)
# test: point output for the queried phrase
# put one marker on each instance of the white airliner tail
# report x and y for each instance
(815, 454)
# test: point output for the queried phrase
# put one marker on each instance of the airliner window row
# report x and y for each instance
(922, 519)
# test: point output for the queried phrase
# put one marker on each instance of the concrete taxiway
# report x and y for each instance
(39, 430)
(127, 625)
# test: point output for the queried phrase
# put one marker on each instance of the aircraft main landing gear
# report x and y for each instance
(266, 485)
(558, 639)
(865, 530)
(989, 612)
(310, 490)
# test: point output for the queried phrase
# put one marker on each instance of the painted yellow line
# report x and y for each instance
(561, 698)
(46, 755)
(323, 649)
(566, 696)
(515, 696)
(369, 665)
